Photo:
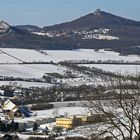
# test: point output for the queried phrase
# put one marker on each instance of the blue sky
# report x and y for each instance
(49, 12)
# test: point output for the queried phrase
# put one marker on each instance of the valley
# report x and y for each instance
(77, 80)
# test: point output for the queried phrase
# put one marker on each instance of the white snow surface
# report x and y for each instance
(61, 111)
(43, 114)
(4, 58)
(30, 70)
(87, 54)
(29, 55)
(100, 37)
(43, 34)
(122, 69)
(25, 84)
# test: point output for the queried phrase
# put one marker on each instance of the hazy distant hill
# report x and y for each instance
(13, 37)
(93, 31)
(128, 31)
(97, 19)
(30, 28)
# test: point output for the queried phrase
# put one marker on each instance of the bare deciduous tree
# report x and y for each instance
(121, 110)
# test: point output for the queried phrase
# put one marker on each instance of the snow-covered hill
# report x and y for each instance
(10, 55)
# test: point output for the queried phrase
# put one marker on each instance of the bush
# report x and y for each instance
(9, 137)
(35, 127)
(75, 138)
(38, 138)
(41, 106)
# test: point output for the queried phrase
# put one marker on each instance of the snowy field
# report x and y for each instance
(123, 69)
(37, 71)
(25, 84)
(61, 111)
(29, 71)
(4, 58)
(29, 55)
(12, 56)
(26, 55)
(85, 80)
(43, 114)
(87, 54)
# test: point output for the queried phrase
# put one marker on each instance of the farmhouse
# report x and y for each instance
(86, 119)
(68, 122)
(13, 110)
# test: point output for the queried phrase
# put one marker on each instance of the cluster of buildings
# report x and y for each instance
(45, 126)
(74, 121)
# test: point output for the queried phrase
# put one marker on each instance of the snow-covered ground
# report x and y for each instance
(26, 84)
(37, 71)
(87, 54)
(43, 34)
(4, 58)
(10, 55)
(25, 136)
(43, 114)
(61, 111)
(68, 81)
(85, 80)
(29, 71)
(29, 55)
(100, 37)
(122, 69)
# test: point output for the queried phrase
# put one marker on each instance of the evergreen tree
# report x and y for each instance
(35, 127)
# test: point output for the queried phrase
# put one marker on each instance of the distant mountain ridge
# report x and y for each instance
(97, 19)
(14, 37)
(98, 30)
